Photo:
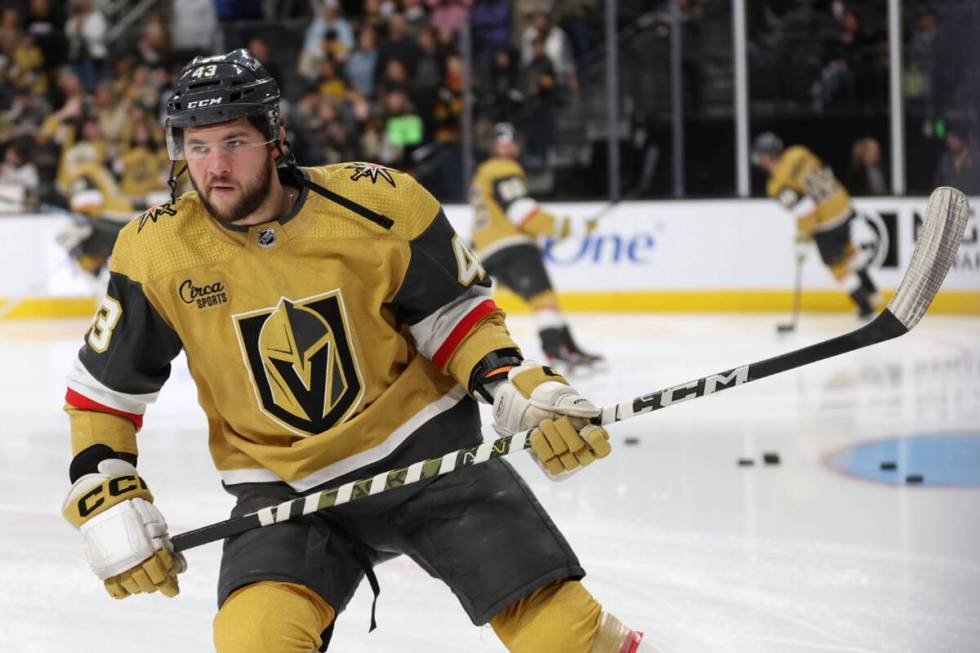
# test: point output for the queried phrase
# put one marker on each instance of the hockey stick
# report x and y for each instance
(650, 158)
(945, 222)
(797, 291)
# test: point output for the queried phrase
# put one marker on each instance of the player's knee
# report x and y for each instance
(271, 616)
(562, 617)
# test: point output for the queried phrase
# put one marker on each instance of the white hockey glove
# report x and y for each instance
(124, 535)
(536, 396)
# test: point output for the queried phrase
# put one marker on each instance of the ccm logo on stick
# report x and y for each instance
(203, 103)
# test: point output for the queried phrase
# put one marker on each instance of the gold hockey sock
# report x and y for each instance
(561, 617)
(271, 616)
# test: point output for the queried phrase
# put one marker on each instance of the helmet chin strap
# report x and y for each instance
(172, 180)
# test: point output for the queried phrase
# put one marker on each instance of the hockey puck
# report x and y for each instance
(770, 458)
(631, 440)
(745, 462)
(888, 466)
(913, 478)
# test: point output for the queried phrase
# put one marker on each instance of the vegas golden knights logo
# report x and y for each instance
(301, 361)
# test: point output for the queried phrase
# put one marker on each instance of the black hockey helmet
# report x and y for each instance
(221, 88)
(765, 143)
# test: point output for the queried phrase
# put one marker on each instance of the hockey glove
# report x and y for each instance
(535, 396)
(124, 535)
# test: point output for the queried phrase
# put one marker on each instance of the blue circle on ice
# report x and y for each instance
(948, 459)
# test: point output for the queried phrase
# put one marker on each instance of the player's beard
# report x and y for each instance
(252, 197)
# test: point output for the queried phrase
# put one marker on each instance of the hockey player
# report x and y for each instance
(823, 213)
(507, 225)
(335, 326)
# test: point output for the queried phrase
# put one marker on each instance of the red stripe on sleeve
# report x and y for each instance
(526, 218)
(461, 330)
(82, 402)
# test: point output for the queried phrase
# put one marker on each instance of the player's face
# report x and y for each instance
(231, 168)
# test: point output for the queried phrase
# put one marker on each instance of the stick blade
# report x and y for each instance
(945, 222)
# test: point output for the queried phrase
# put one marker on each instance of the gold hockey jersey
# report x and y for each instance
(809, 191)
(336, 340)
(504, 213)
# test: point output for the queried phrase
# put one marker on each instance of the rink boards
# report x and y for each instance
(711, 255)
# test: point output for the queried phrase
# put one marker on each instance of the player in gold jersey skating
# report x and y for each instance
(823, 212)
(335, 326)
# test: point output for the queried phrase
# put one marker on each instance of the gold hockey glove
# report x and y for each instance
(536, 396)
(124, 535)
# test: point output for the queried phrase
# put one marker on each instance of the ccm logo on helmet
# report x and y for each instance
(204, 103)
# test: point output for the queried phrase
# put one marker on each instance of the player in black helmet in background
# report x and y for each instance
(508, 223)
(335, 326)
(822, 208)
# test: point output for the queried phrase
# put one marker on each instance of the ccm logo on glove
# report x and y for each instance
(119, 486)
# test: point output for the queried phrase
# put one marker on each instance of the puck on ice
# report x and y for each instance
(888, 466)
(913, 478)
(631, 440)
(770, 458)
(745, 462)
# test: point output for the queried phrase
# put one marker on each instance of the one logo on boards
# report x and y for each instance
(204, 295)
(875, 236)
(267, 238)
(371, 171)
(302, 362)
(152, 214)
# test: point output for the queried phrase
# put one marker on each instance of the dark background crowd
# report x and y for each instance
(85, 82)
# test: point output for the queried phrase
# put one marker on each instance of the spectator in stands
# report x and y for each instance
(555, 45)
(142, 166)
(399, 45)
(28, 111)
(330, 83)
(865, 176)
(540, 84)
(834, 88)
(918, 62)
(959, 166)
(154, 47)
(429, 76)
(416, 17)
(376, 16)
(490, 21)
(578, 27)
(44, 21)
(18, 168)
(502, 95)
(112, 111)
(361, 69)
(10, 29)
(194, 27)
(27, 69)
(86, 30)
(317, 46)
(448, 110)
(449, 15)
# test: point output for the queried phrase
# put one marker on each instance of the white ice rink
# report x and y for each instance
(824, 552)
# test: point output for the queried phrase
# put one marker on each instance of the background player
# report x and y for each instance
(823, 212)
(507, 225)
(335, 326)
